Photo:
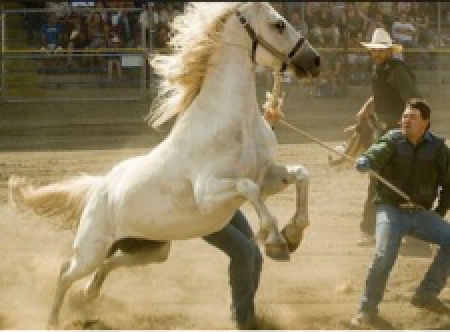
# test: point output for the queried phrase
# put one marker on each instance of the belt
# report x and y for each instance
(410, 206)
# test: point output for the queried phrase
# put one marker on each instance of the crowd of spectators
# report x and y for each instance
(337, 23)
(341, 26)
(75, 26)
(86, 27)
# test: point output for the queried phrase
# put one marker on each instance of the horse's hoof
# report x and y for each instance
(278, 251)
(293, 237)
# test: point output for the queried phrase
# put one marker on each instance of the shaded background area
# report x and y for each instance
(116, 124)
(65, 99)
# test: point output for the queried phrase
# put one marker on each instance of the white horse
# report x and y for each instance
(219, 153)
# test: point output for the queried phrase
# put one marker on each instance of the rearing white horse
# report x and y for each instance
(216, 156)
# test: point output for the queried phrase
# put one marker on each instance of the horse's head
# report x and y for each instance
(275, 43)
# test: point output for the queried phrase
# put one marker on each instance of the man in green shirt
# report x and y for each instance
(418, 163)
(393, 84)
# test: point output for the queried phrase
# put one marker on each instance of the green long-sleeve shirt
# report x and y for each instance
(418, 170)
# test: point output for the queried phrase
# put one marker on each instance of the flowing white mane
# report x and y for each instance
(195, 36)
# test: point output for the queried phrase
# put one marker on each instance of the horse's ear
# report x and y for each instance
(248, 4)
(255, 4)
(259, 4)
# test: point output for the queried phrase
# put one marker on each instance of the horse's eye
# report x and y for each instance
(280, 26)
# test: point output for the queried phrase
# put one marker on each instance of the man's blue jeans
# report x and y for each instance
(236, 241)
(392, 223)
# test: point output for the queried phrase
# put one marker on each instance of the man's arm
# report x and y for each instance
(378, 154)
(444, 197)
(411, 30)
(401, 80)
(44, 36)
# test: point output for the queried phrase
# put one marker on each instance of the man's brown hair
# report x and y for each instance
(422, 106)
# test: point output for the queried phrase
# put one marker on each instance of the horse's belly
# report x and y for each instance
(162, 211)
(174, 227)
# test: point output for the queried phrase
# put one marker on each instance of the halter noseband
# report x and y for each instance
(258, 40)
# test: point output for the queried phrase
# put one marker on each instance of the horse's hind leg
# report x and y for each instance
(90, 252)
(126, 253)
(75, 270)
(276, 179)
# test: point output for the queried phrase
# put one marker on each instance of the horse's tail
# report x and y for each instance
(66, 198)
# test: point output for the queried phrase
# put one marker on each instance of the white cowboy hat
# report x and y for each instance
(381, 40)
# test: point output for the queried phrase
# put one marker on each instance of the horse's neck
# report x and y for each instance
(230, 83)
(237, 105)
(227, 99)
(225, 108)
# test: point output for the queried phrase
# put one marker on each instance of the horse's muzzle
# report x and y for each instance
(306, 64)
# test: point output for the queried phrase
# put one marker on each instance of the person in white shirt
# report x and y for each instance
(299, 24)
(404, 31)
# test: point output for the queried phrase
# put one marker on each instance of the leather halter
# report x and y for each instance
(258, 40)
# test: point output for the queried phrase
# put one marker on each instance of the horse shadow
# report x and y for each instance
(378, 323)
(382, 324)
(267, 323)
(88, 324)
(416, 248)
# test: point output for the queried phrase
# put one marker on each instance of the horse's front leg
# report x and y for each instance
(279, 177)
(212, 192)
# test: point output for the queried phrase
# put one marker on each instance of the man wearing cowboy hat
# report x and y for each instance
(393, 84)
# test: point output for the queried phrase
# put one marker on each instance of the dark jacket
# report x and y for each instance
(393, 84)
(419, 171)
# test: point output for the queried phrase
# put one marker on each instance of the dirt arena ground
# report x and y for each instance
(318, 289)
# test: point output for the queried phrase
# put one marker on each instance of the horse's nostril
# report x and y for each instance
(317, 61)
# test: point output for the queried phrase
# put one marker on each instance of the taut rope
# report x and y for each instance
(273, 107)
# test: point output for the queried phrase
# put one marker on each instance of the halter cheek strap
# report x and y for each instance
(258, 40)
(251, 33)
(292, 53)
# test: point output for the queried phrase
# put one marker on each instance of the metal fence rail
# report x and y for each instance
(37, 66)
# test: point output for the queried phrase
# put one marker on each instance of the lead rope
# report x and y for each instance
(272, 108)
(274, 99)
